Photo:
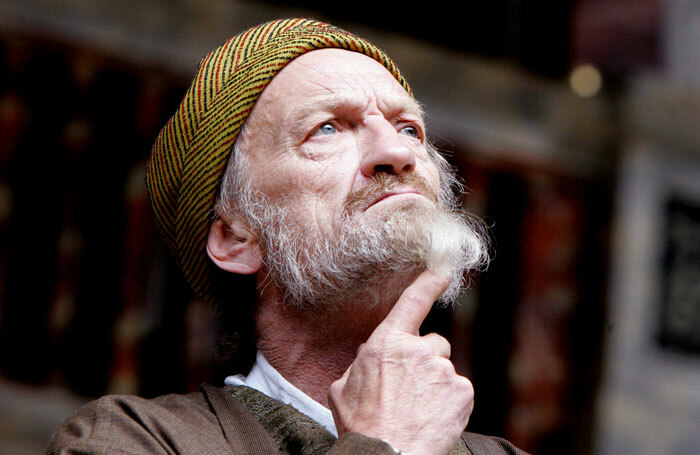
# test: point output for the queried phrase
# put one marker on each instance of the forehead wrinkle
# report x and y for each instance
(325, 103)
(390, 104)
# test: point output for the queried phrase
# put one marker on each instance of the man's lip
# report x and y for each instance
(388, 194)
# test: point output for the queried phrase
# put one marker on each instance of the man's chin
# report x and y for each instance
(379, 291)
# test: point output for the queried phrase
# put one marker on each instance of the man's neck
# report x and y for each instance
(313, 347)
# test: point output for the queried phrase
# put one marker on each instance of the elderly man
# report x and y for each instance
(300, 158)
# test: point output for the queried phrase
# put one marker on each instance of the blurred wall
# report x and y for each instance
(650, 394)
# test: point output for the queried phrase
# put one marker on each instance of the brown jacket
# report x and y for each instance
(218, 421)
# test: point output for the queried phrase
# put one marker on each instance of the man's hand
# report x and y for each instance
(402, 387)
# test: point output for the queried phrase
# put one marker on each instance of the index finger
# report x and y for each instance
(415, 303)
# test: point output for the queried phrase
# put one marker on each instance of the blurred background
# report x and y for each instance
(574, 123)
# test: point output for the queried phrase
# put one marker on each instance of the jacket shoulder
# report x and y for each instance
(120, 424)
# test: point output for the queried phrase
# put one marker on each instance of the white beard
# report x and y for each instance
(369, 262)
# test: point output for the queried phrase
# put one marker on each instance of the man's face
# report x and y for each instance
(341, 189)
(328, 123)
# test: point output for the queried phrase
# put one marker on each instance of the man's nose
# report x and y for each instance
(385, 150)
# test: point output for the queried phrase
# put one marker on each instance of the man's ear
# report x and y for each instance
(233, 247)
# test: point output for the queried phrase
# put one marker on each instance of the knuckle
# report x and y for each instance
(415, 299)
(440, 338)
(445, 368)
(382, 350)
(446, 344)
(423, 351)
(436, 337)
(439, 343)
(464, 386)
(370, 350)
(443, 343)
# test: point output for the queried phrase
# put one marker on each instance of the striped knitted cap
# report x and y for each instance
(190, 154)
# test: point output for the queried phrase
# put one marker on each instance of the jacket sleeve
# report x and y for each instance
(356, 443)
(471, 444)
(488, 445)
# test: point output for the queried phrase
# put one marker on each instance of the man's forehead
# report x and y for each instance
(328, 79)
(390, 103)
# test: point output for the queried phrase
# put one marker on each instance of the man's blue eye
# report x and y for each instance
(326, 128)
(410, 131)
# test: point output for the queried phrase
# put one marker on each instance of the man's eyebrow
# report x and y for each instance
(390, 104)
(398, 104)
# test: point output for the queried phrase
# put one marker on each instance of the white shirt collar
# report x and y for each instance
(264, 378)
